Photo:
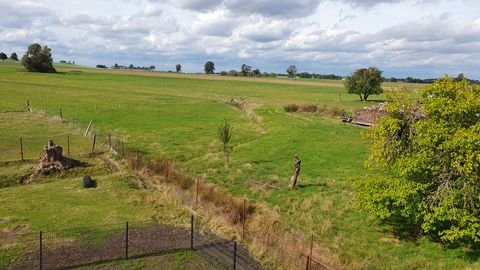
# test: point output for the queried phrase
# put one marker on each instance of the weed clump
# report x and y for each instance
(310, 108)
(291, 108)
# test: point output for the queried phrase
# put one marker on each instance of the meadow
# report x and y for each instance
(176, 116)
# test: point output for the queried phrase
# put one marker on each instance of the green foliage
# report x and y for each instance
(225, 135)
(178, 67)
(292, 71)
(3, 56)
(38, 59)
(430, 152)
(245, 69)
(209, 67)
(365, 82)
(14, 56)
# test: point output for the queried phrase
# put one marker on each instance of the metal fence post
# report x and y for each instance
(234, 255)
(191, 233)
(126, 241)
(41, 251)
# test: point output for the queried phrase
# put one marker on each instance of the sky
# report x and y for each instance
(419, 38)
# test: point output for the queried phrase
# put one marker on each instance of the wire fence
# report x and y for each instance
(103, 244)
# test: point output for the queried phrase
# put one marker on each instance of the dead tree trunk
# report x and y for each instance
(296, 172)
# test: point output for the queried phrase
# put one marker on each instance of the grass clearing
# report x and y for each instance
(177, 116)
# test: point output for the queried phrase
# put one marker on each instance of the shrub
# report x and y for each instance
(291, 108)
(336, 111)
(308, 108)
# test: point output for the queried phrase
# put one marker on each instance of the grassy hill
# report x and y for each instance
(176, 117)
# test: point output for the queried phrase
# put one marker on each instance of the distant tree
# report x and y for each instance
(364, 82)
(38, 59)
(256, 72)
(305, 75)
(14, 57)
(101, 66)
(115, 66)
(209, 67)
(3, 56)
(223, 73)
(233, 72)
(131, 66)
(245, 69)
(292, 71)
(152, 67)
(178, 67)
(460, 77)
(393, 79)
(409, 80)
(225, 135)
(273, 75)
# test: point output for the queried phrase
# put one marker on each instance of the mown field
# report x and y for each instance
(176, 116)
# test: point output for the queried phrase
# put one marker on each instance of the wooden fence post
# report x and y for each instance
(68, 144)
(110, 141)
(61, 114)
(21, 148)
(94, 141)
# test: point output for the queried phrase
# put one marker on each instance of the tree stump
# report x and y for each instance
(53, 152)
(296, 171)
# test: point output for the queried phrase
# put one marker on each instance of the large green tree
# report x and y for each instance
(38, 59)
(428, 155)
(364, 82)
(209, 67)
(3, 56)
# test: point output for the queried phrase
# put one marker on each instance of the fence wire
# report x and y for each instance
(83, 247)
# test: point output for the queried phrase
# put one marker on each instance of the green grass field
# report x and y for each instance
(176, 116)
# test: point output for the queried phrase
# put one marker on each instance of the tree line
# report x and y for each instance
(13, 56)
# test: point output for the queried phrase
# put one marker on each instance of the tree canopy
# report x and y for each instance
(365, 82)
(245, 69)
(428, 153)
(38, 59)
(3, 56)
(292, 71)
(178, 68)
(209, 67)
(14, 57)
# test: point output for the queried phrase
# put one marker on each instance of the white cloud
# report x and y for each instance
(214, 23)
(421, 38)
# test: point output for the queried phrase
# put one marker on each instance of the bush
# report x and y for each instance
(336, 111)
(38, 59)
(309, 108)
(291, 108)
(232, 73)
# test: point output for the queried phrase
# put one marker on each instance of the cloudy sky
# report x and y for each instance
(420, 38)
